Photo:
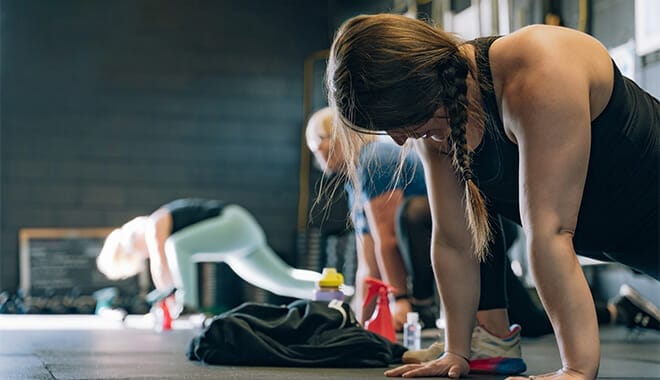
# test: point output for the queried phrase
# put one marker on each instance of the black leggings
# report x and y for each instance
(500, 287)
(522, 308)
(413, 229)
(493, 279)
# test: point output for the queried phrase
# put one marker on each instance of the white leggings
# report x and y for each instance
(234, 237)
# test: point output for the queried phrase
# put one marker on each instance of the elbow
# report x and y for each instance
(557, 243)
(388, 244)
(448, 257)
(447, 245)
(547, 230)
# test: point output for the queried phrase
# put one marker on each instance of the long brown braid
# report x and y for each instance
(457, 106)
(389, 72)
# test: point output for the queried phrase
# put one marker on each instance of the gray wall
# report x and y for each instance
(110, 109)
(612, 22)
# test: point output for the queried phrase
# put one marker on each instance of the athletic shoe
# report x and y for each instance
(635, 311)
(427, 354)
(489, 353)
(492, 354)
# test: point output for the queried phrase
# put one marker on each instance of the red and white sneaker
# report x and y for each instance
(492, 354)
(489, 353)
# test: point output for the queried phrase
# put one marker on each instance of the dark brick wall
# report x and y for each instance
(110, 109)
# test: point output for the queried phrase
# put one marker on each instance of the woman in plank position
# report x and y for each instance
(538, 126)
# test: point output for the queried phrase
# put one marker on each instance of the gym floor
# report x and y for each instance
(87, 347)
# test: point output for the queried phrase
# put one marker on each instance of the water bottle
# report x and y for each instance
(328, 287)
(412, 332)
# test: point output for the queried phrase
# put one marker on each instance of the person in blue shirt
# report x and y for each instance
(378, 204)
(381, 211)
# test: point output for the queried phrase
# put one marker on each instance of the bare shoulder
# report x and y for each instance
(551, 46)
(541, 63)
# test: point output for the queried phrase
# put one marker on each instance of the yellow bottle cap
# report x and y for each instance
(330, 278)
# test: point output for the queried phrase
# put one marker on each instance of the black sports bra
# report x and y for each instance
(619, 209)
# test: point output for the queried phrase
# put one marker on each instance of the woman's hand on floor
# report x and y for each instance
(448, 364)
(562, 374)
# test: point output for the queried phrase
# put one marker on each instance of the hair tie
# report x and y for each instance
(467, 175)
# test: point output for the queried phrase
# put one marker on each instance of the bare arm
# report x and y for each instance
(157, 231)
(455, 267)
(381, 216)
(366, 266)
(550, 120)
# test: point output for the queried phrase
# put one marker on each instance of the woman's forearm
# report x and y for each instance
(391, 265)
(457, 276)
(567, 299)
(160, 274)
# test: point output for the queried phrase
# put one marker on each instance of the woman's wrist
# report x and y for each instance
(458, 355)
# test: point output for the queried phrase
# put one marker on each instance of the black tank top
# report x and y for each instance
(188, 211)
(619, 209)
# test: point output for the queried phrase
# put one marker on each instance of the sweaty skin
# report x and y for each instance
(547, 106)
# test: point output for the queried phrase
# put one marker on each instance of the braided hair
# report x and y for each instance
(389, 72)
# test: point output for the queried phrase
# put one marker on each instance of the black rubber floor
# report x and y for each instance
(39, 347)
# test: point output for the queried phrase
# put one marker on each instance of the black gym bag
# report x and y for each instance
(301, 334)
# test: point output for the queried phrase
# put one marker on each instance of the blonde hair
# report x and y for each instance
(118, 258)
(390, 72)
(326, 120)
(321, 119)
(350, 143)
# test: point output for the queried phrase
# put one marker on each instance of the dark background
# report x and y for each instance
(109, 109)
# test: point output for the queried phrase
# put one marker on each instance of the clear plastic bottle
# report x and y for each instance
(412, 332)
